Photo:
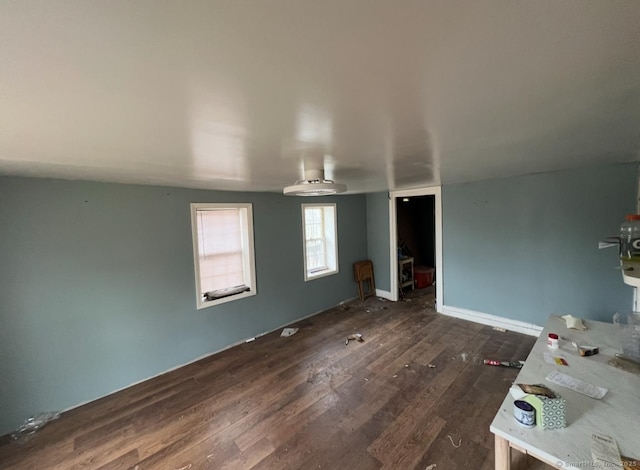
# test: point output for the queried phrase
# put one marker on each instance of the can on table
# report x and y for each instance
(524, 413)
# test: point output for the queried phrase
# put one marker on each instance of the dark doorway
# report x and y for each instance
(416, 230)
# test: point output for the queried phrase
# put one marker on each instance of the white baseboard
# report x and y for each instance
(492, 320)
(385, 294)
(199, 358)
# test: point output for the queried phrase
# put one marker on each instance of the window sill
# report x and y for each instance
(319, 274)
(212, 303)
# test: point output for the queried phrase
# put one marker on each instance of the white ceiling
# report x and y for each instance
(237, 94)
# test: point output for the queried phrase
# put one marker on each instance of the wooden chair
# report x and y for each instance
(363, 273)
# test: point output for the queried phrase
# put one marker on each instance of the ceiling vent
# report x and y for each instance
(314, 184)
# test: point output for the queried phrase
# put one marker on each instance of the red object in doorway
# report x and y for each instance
(423, 276)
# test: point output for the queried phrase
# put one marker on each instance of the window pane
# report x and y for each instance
(320, 244)
(220, 249)
(316, 254)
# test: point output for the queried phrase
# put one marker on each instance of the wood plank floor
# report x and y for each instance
(308, 401)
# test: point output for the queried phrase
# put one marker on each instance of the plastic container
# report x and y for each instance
(423, 276)
(631, 336)
(553, 341)
(630, 239)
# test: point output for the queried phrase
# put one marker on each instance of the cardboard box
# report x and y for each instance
(551, 413)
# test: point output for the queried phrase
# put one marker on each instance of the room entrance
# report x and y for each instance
(415, 222)
(416, 241)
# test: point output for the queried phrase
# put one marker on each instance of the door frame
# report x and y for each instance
(435, 191)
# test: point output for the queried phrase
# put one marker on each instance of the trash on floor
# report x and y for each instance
(431, 366)
(497, 328)
(453, 444)
(356, 337)
(431, 467)
(286, 332)
(473, 358)
(34, 423)
(513, 364)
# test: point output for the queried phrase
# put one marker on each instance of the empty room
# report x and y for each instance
(292, 234)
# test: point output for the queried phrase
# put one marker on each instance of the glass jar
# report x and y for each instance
(630, 239)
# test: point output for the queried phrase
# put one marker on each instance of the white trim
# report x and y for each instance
(384, 294)
(330, 270)
(248, 255)
(492, 320)
(435, 191)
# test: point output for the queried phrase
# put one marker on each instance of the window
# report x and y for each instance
(319, 229)
(223, 252)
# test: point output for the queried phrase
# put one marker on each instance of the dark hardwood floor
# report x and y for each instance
(307, 401)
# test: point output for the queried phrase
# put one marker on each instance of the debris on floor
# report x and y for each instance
(431, 366)
(473, 358)
(431, 467)
(453, 444)
(344, 307)
(286, 332)
(34, 423)
(497, 328)
(250, 340)
(356, 337)
(186, 467)
(513, 364)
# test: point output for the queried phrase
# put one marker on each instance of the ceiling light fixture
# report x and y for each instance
(314, 184)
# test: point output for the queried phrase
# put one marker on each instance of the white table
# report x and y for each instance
(616, 415)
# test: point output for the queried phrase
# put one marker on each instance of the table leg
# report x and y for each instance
(503, 454)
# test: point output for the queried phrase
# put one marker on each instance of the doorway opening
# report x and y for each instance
(416, 242)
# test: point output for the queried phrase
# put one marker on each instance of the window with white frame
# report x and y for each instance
(320, 239)
(223, 252)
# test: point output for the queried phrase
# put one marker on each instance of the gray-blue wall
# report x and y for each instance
(97, 285)
(378, 238)
(526, 247)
